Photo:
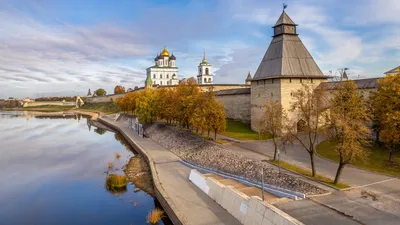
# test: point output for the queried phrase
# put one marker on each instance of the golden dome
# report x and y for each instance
(165, 52)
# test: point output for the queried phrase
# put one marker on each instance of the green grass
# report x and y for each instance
(377, 159)
(105, 107)
(308, 173)
(241, 131)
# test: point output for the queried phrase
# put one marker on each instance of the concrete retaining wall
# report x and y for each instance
(248, 210)
(159, 192)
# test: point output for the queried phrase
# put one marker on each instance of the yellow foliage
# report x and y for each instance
(386, 111)
(154, 216)
(117, 155)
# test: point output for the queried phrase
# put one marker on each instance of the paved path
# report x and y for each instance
(192, 203)
(381, 184)
(383, 208)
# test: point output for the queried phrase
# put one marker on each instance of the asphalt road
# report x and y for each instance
(295, 154)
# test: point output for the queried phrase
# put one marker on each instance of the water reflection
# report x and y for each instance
(116, 184)
(54, 168)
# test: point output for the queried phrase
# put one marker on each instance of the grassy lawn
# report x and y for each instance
(376, 161)
(241, 131)
(105, 107)
(307, 173)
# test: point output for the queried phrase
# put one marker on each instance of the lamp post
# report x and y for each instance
(262, 183)
(279, 161)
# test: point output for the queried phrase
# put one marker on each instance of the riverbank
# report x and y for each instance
(183, 202)
(38, 109)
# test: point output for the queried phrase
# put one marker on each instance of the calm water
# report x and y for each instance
(52, 171)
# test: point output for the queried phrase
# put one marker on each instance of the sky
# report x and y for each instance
(56, 48)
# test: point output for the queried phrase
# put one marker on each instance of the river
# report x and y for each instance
(53, 171)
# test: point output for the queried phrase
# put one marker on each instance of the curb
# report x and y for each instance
(172, 211)
(356, 167)
(304, 176)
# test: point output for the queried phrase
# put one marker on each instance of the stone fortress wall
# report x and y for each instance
(237, 103)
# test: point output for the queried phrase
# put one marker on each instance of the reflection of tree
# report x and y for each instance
(88, 123)
(165, 219)
(54, 116)
(100, 131)
(116, 184)
(122, 140)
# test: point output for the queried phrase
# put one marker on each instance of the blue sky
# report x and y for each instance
(66, 47)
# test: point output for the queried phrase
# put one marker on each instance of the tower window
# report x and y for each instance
(206, 71)
(167, 76)
(154, 76)
(160, 82)
(209, 80)
(205, 80)
(161, 76)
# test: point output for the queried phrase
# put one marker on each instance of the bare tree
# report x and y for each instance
(308, 105)
(274, 119)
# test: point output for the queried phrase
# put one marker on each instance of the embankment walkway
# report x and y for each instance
(182, 200)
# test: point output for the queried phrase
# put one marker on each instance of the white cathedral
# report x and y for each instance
(165, 71)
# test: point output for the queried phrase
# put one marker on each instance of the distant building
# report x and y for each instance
(248, 79)
(393, 71)
(89, 94)
(205, 76)
(165, 71)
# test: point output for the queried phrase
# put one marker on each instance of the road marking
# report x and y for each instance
(382, 181)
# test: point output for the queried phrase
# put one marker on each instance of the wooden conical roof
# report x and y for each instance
(287, 57)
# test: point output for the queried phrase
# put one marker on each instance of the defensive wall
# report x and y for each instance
(34, 104)
(237, 103)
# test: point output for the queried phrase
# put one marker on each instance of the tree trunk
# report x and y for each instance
(391, 154)
(377, 138)
(338, 173)
(215, 136)
(208, 133)
(276, 147)
(312, 163)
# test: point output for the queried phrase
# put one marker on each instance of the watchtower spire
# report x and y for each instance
(204, 57)
(284, 6)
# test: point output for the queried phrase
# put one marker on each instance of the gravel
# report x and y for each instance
(196, 150)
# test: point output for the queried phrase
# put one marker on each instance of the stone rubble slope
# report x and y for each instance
(196, 150)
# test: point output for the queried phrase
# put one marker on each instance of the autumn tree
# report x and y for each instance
(186, 94)
(145, 105)
(273, 122)
(386, 108)
(216, 117)
(199, 118)
(100, 92)
(119, 89)
(308, 106)
(346, 125)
